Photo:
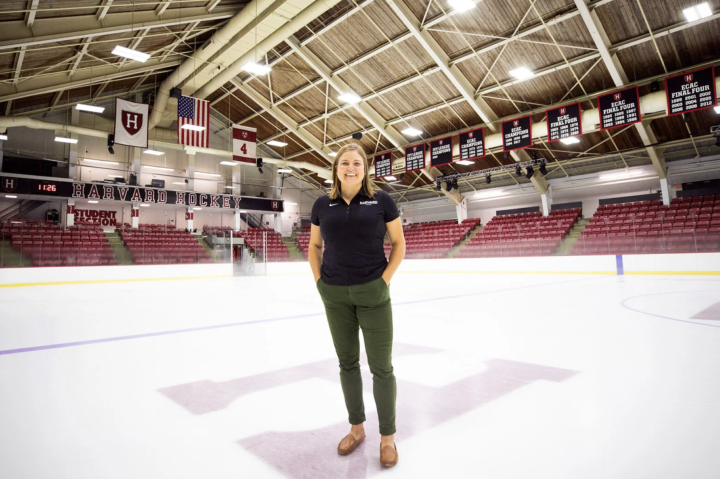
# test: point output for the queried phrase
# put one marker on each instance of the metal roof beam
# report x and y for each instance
(61, 81)
(619, 77)
(133, 45)
(162, 7)
(78, 58)
(16, 34)
(17, 65)
(103, 9)
(186, 32)
(30, 15)
(212, 4)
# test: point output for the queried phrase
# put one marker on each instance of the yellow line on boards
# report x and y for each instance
(100, 281)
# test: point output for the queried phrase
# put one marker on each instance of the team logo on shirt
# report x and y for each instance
(369, 202)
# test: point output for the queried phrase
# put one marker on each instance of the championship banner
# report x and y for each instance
(383, 165)
(131, 123)
(691, 91)
(441, 152)
(415, 157)
(619, 108)
(517, 133)
(564, 122)
(472, 144)
(244, 144)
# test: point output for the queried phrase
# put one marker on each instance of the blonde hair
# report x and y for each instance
(367, 186)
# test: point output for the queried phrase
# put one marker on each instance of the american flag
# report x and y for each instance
(192, 111)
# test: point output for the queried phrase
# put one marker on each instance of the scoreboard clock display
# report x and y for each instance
(45, 188)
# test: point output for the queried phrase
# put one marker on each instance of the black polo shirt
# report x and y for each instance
(354, 235)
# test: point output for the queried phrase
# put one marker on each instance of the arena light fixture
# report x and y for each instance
(290, 203)
(522, 73)
(390, 178)
(461, 5)
(493, 193)
(410, 131)
(178, 183)
(276, 143)
(154, 152)
(197, 208)
(144, 204)
(530, 172)
(332, 153)
(717, 110)
(157, 168)
(488, 179)
(230, 187)
(465, 162)
(328, 181)
(229, 163)
(187, 126)
(90, 108)
(284, 170)
(101, 161)
(351, 98)
(570, 141)
(256, 68)
(543, 169)
(62, 139)
(242, 211)
(207, 174)
(621, 175)
(116, 176)
(518, 171)
(131, 54)
(92, 201)
(10, 196)
(3, 137)
(697, 12)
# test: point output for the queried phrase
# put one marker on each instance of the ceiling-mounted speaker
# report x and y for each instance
(357, 136)
(175, 93)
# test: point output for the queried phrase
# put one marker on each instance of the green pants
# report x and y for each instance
(351, 308)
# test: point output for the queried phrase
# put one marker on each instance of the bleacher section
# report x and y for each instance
(276, 249)
(434, 239)
(686, 225)
(422, 240)
(46, 244)
(526, 234)
(155, 244)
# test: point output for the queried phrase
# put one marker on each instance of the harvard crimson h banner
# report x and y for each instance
(131, 123)
(194, 112)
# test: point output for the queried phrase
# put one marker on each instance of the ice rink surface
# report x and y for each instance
(499, 376)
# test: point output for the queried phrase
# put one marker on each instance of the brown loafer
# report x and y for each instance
(348, 444)
(388, 456)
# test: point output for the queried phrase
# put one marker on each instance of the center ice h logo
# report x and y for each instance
(617, 96)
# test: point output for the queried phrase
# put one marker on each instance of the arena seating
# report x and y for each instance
(155, 244)
(46, 244)
(422, 240)
(276, 249)
(525, 234)
(686, 225)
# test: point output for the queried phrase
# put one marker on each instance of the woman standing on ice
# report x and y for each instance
(353, 279)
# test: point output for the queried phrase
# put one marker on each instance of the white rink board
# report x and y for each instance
(689, 263)
(9, 276)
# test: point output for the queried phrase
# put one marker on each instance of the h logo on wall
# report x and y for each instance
(9, 184)
(275, 205)
(131, 123)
